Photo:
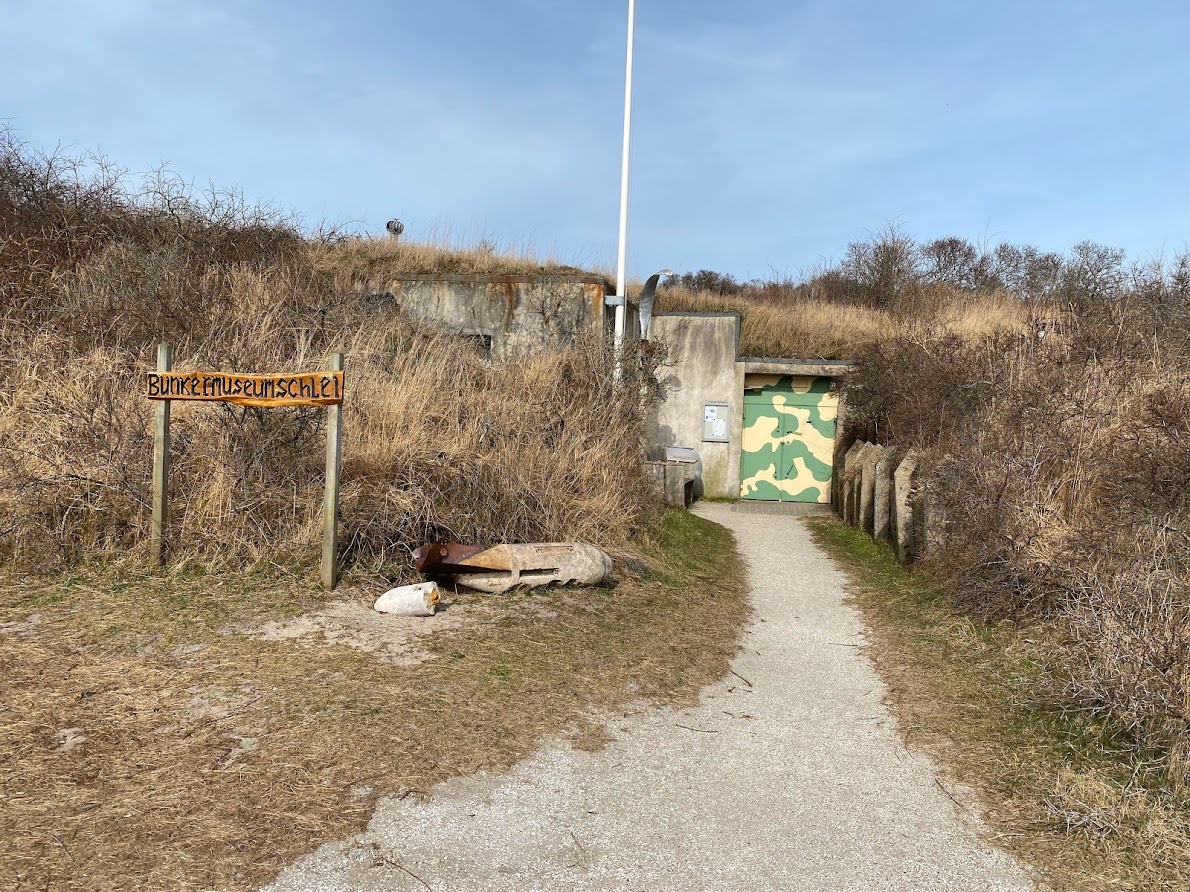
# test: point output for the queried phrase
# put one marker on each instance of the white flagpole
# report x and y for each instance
(622, 266)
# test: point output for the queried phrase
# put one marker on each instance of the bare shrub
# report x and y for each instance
(1128, 612)
(1027, 271)
(886, 268)
(928, 387)
(951, 261)
(1070, 508)
(1128, 652)
(706, 280)
(438, 440)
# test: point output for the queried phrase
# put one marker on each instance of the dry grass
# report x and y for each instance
(975, 317)
(438, 441)
(212, 758)
(1063, 791)
(1067, 499)
(817, 328)
(369, 262)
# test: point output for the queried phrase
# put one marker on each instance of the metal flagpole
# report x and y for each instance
(622, 265)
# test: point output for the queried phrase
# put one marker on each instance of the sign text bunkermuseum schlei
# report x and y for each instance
(268, 391)
(301, 389)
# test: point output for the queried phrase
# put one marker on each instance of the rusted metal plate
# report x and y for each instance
(443, 557)
(504, 567)
(300, 389)
(521, 557)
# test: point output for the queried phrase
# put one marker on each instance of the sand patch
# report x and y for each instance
(394, 639)
(27, 626)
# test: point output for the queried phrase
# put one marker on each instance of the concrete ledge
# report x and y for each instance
(522, 279)
(717, 314)
(816, 368)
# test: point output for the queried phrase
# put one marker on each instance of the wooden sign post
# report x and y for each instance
(330, 504)
(165, 363)
(299, 389)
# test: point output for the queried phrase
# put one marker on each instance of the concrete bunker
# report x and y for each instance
(764, 428)
(508, 316)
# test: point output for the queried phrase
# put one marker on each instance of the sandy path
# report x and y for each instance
(794, 782)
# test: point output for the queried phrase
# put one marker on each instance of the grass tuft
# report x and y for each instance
(807, 327)
(212, 758)
(1061, 789)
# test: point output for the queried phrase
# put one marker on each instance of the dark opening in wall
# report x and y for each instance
(479, 342)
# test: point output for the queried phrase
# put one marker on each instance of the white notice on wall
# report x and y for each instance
(710, 413)
(719, 427)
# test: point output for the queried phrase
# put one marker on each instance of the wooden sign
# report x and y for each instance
(300, 389)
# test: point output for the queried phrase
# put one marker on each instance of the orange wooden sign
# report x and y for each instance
(301, 389)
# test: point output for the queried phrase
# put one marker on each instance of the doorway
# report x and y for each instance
(789, 438)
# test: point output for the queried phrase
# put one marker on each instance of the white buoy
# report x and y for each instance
(410, 600)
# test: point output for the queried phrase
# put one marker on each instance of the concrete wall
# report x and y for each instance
(518, 315)
(701, 367)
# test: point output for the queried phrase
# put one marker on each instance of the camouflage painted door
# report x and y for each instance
(789, 438)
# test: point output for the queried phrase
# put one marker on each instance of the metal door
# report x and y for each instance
(789, 438)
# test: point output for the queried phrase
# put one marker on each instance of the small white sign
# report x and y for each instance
(715, 420)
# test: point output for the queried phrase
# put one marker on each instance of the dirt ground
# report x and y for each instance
(199, 732)
(788, 774)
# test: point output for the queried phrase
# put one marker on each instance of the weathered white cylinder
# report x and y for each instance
(410, 600)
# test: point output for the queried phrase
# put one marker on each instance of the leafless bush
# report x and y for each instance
(93, 274)
(1128, 647)
(1071, 505)
(886, 268)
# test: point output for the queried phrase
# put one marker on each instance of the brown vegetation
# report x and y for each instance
(1056, 787)
(838, 313)
(439, 442)
(804, 329)
(203, 757)
(354, 261)
(1069, 504)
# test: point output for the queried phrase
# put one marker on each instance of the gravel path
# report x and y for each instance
(794, 781)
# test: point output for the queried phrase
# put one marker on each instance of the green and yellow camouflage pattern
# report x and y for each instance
(789, 438)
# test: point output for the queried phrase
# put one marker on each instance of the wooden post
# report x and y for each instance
(330, 505)
(165, 361)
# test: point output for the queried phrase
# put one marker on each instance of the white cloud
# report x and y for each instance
(766, 131)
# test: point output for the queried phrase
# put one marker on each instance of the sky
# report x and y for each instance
(768, 134)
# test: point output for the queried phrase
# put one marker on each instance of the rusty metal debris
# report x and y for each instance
(506, 567)
(441, 558)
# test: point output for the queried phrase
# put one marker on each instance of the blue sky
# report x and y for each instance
(768, 134)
